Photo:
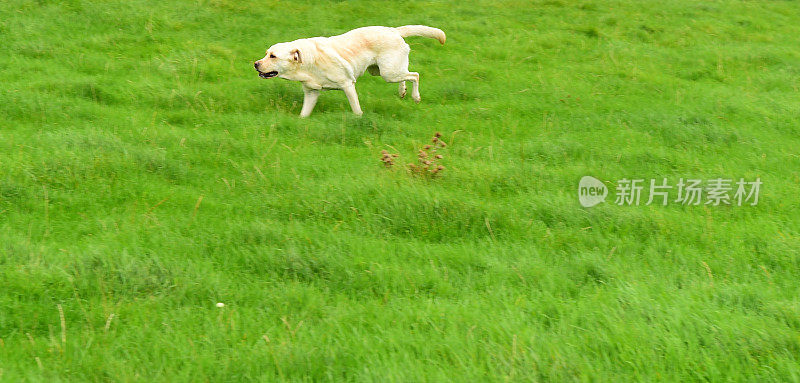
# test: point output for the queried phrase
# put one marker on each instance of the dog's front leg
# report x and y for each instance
(352, 96)
(309, 101)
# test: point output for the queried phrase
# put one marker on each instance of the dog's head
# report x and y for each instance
(280, 60)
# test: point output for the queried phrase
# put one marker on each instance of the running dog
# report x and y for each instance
(336, 62)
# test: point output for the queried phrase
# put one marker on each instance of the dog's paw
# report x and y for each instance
(416, 98)
(403, 94)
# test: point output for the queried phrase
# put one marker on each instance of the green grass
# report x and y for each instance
(146, 174)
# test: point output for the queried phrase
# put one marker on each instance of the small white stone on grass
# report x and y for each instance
(220, 304)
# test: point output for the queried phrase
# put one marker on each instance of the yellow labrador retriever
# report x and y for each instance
(336, 62)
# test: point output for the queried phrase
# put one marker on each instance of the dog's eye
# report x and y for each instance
(272, 56)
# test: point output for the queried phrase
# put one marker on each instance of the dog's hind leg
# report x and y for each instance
(414, 78)
(394, 68)
(402, 78)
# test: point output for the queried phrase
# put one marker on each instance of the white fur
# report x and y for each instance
(336, 62)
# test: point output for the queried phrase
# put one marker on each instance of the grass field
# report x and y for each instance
(147, 173)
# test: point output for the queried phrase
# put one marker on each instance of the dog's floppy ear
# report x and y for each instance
(296, 56)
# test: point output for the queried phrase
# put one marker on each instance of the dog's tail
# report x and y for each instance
(422, 30)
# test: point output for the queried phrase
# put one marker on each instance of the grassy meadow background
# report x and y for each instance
(147, 173)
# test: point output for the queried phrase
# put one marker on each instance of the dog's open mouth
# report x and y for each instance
(267, 74)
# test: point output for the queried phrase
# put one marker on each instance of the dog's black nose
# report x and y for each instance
(255, 64)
